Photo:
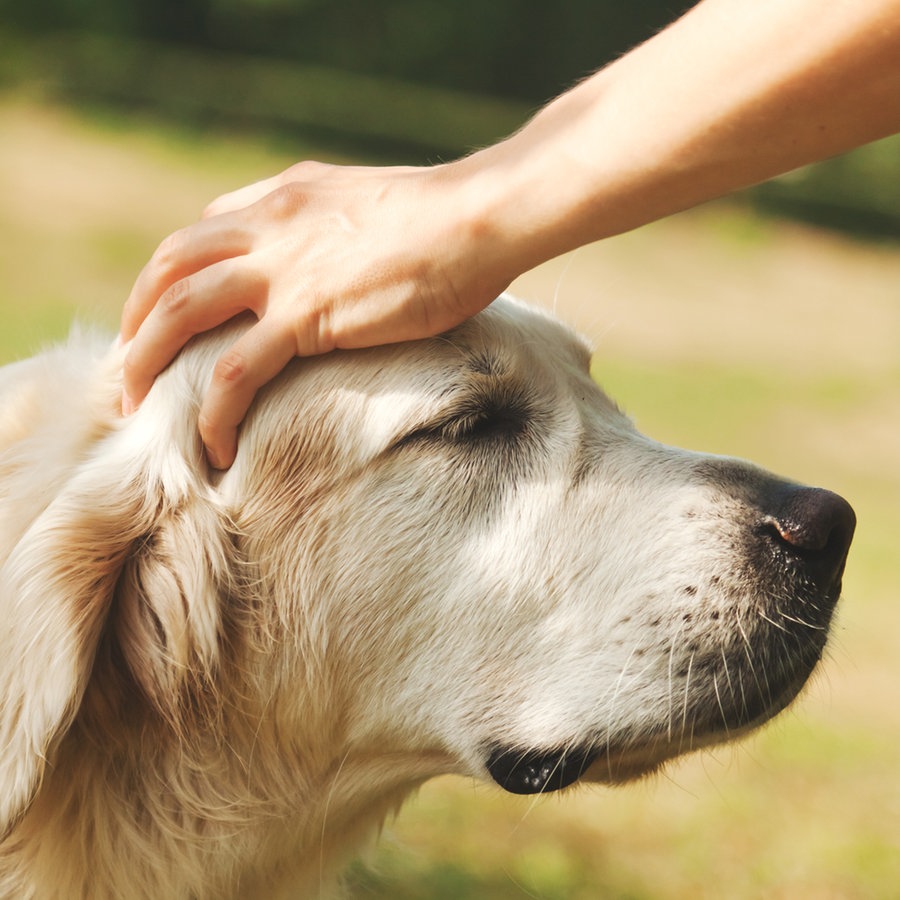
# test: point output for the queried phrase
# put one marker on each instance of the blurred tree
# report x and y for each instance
(527, 49)
(180, 21)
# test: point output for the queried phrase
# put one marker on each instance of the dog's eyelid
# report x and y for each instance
(489, 421)
(471, 420)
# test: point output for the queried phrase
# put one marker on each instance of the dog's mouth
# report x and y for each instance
(738, 702)
(538, 771)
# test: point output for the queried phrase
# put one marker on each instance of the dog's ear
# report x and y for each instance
(168, 605)
(122, 548)
(55, 592)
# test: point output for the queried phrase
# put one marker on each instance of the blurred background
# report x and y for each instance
(765, 326)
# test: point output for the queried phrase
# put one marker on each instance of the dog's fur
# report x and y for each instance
(451, 556)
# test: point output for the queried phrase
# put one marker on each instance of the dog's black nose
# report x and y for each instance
(815, 525)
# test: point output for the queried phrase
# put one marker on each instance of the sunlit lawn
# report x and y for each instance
(714, 330)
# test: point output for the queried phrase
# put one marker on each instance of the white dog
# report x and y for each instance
(451, 556)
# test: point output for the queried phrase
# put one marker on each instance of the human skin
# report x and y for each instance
(733, 93)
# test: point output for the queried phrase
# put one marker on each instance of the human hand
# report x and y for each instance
(326, 257)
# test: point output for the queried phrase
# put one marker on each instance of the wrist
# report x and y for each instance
(498, 217)
(478, 242)
(541, 192)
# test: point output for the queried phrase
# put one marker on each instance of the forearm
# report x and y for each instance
(735, 92)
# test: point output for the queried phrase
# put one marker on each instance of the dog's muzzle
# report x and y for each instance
(800, 540)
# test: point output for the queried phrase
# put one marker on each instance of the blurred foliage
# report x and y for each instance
(405, 80)
(206, 88)
(858, 192)
(526, 49)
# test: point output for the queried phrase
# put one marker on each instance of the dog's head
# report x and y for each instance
(453, 555)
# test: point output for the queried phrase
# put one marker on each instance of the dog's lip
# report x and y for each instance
(542, 771)
(630, 760)
(532, 771)
(521, 770)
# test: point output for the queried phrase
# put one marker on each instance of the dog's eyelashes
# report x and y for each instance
(485, 424)
(471, 426)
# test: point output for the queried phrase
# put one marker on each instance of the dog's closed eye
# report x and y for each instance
(473, 421)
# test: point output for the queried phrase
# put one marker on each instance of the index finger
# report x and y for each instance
(181, 254)
(252, 361)
(190, 306)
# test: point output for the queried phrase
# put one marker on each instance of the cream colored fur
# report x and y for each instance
(218, 685)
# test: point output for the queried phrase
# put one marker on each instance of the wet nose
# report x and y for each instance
(815, 525)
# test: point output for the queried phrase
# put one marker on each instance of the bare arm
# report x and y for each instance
(735, 92)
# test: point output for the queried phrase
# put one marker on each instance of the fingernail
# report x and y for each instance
(213, 459)
(128, 406)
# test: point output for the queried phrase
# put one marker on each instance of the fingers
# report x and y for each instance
(178, 256)
(191, 305)
(252, 361)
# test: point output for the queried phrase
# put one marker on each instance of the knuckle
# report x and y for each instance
(322, 332)
(308, 169)
(220, 204)
(231, 368)
(171, 250)
(286, 200)
(175, 299)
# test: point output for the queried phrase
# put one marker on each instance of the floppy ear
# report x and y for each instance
(136, 497)
(168, 605)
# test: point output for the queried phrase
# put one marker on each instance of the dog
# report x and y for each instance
(448, 556)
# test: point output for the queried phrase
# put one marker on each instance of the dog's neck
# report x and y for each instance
(242, 811)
